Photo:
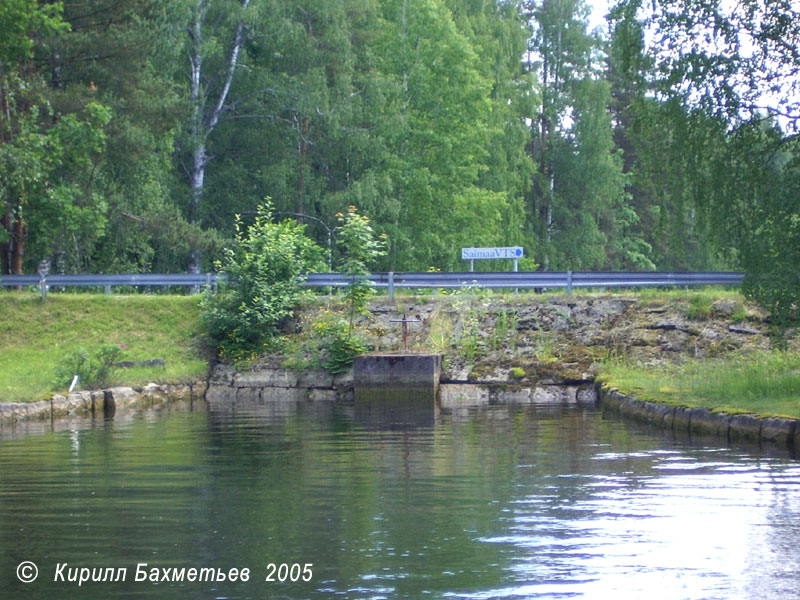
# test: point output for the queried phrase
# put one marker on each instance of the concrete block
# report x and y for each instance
(778, 432)
(457, 395)
(745, 428)
(398, 371)
(705, 422)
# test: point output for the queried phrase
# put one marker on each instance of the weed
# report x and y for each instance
(699, 307)
(440, 332)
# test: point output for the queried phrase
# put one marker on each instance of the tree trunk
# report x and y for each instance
(204, 121)
(198, 174)
(5, 249)
(301, 172)
(19, 239)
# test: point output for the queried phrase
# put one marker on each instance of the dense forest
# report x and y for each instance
(133, 132)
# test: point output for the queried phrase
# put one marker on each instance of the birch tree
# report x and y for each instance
(210, 81)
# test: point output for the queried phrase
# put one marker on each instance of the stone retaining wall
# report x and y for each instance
(314, 384)
(775, 432)
(99, 402)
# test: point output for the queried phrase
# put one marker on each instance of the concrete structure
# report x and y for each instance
(398, 371)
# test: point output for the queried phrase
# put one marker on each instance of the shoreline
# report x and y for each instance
(229, 387)
(102, 402)
(776, 432)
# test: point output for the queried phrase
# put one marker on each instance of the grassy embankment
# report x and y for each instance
(763, 382)
(35, 336)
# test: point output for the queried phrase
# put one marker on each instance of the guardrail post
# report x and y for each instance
(391, 286)
(107, 288)
(569, 283)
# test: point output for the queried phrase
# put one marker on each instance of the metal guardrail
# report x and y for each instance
(107, 281)
(534, 279)
(391, 281)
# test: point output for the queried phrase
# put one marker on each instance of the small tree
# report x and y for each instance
(360, 248)
(264, 273)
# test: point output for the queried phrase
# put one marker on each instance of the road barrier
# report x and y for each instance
(514, 280)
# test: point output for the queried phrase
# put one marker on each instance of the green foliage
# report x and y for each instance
(699, 307)
(265, 269)
(468, 341)
(337, 344)
(20, 22)
(325, 342)
(700, 57)
(94, 368)
(360, 248)
(440, 331)
(504, 334)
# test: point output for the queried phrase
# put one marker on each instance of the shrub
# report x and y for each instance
(337, 343)
(360, 249)
(265, 270)
(92, 368)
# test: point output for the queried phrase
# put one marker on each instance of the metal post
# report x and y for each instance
(43, 270)
(471, 265)
(107, 289)
(569, 283)
(391, 286)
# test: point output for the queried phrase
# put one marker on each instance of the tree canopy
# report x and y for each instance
(132, 134)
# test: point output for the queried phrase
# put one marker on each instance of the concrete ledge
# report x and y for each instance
(457, 395)
(705, 422)
(98, 402)
(775, 432)
(745, 428)
(780, 432)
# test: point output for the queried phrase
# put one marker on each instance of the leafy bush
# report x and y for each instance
(92, 368)
(325, 343)
(265, 270)
(337, 344)
(360, 249)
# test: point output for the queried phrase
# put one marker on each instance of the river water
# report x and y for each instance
(497, 502)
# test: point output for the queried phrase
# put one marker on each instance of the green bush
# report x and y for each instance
(360, 248)
(265, 270)
(337, 344)
(92, 368)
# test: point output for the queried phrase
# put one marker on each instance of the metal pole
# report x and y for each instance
(569, 283)
(391, 286)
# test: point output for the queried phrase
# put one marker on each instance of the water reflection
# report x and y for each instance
(496, 502)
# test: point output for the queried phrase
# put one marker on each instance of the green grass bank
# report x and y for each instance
(36, 335)
(766, 383)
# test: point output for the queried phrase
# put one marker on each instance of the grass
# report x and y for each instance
(765, 383)
(35, 336)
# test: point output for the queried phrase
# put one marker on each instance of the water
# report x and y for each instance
(501, 502)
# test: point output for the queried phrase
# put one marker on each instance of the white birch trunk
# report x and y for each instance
(204, 121)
